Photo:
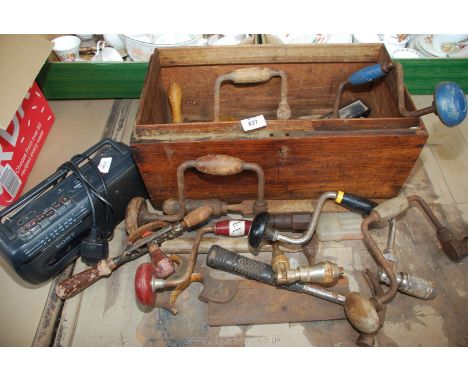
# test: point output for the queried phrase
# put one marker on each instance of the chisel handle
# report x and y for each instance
(174, 93)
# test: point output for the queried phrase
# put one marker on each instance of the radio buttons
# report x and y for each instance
(34, 228)
(24, 234)
(65, 200)
(56, 205)
(50, 214)
(42, 220)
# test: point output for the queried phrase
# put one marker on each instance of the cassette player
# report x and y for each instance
(41, 233)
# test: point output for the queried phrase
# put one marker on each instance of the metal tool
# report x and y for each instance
(368, 339)
(77, 283)
(361, 77)
(354, 109)
(407, 283)
(227, 261)
(326, 272)
(449, 103)
(252, 76)
(219, 165)
(263, 230)
(359, 310)
(246, 207)
(147, 283)
(388, 252)
(411, 285)
(389, 209)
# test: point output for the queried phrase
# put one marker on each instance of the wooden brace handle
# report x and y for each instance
(250, 75)
(219, 165)
(197, 216)
(392, 207)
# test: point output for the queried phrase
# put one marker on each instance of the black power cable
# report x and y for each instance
(95, 246)
(110, 213)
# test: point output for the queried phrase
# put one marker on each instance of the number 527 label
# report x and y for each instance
(253, 123)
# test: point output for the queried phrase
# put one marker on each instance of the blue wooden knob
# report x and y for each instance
(450, 103)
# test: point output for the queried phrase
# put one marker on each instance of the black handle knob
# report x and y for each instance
(355, 203)
(259, 230)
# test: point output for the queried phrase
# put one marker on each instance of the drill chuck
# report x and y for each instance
(411, 285)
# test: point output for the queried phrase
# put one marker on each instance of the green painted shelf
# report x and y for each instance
(84, 80)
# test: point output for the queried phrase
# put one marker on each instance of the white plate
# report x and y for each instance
(424, 44)
(367, 38)
(407, 53)
(340, 39)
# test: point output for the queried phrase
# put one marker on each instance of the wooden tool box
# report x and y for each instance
(301, 158)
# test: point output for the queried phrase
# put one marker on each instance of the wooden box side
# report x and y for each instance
(153, 101)
(301, 167)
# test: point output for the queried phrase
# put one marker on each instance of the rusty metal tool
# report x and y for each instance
(218, 165)
(174, 94)
(262, 229)
(161, 262)
(219, 207)
(407, 283)
(454, 249)
(77, 283)
(389, 209)
(361, 77)
(449, 102)
(368, 339)
(147, 283)
(389, 251)
(252, 76)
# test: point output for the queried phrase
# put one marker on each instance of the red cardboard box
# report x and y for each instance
(25, 116)
(21, 142)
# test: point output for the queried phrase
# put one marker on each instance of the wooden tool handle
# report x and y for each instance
(219, 165)
(174, 93)
(392, 207)
(197, 216)
(79, 282)
(251, 75)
